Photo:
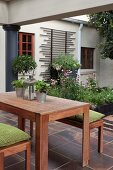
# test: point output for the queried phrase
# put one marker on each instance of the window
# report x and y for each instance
(87, 58)
(26, 43)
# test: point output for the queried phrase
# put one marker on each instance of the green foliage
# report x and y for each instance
(18, 83)
(100, 98)
(103, 21)
(108, 95)
(66, 62)
(23, 64)
(106, 48)
(68, 89)
(90, 93)
(91, 84)
(41, 86)
(55, 91)
(96, 96)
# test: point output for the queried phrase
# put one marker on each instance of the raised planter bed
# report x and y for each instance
(106, 109)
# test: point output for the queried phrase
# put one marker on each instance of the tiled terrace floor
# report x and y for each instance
(65, 147)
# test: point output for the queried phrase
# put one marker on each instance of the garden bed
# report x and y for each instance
(91, 93)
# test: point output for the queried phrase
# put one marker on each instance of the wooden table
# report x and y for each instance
(53, 109)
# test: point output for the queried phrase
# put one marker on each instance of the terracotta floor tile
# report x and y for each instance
(70, 150)
(19, 166)
(108, 149)
(69, 135)
(56, 160)
(14, 159)
(100, 161)
(56, 140)
(73, 165)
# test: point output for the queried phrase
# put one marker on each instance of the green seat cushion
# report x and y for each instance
(11, 135)
(93, 116)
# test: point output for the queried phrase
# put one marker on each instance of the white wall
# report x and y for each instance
(106, 72)
(2, 60)
(35, 28)
(90, 39)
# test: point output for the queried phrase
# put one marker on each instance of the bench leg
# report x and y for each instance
(31, 128)
(2, 161)
(27, 157)
(100, 139)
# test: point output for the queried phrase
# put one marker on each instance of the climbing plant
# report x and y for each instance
(103, 21)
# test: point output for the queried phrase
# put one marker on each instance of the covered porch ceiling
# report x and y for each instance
(23, 12)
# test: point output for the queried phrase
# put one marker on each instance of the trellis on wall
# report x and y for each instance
(55, 42)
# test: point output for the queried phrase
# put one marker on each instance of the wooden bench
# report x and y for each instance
(16, 148)
(12, 141)
(95, 122)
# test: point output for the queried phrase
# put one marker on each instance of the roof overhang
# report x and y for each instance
(23, 12)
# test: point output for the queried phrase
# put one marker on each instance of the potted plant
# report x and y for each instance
(24, 64)
(41, 89)
(64, 65)
(19, 87)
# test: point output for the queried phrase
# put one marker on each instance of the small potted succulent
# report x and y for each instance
(41, 89)
(19, 87)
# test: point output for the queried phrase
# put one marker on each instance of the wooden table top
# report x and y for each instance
(53, 105)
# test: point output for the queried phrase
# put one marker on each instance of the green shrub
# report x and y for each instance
(55, 91)
(71, 89)
(66, 62)
(68, 89)
(92, 84)
(100, 97)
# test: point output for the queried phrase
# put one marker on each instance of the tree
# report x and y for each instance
(103, 21)
(23, 64)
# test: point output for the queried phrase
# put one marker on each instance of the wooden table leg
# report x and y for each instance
(41, 143)
(85, 143)
(21, 123)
